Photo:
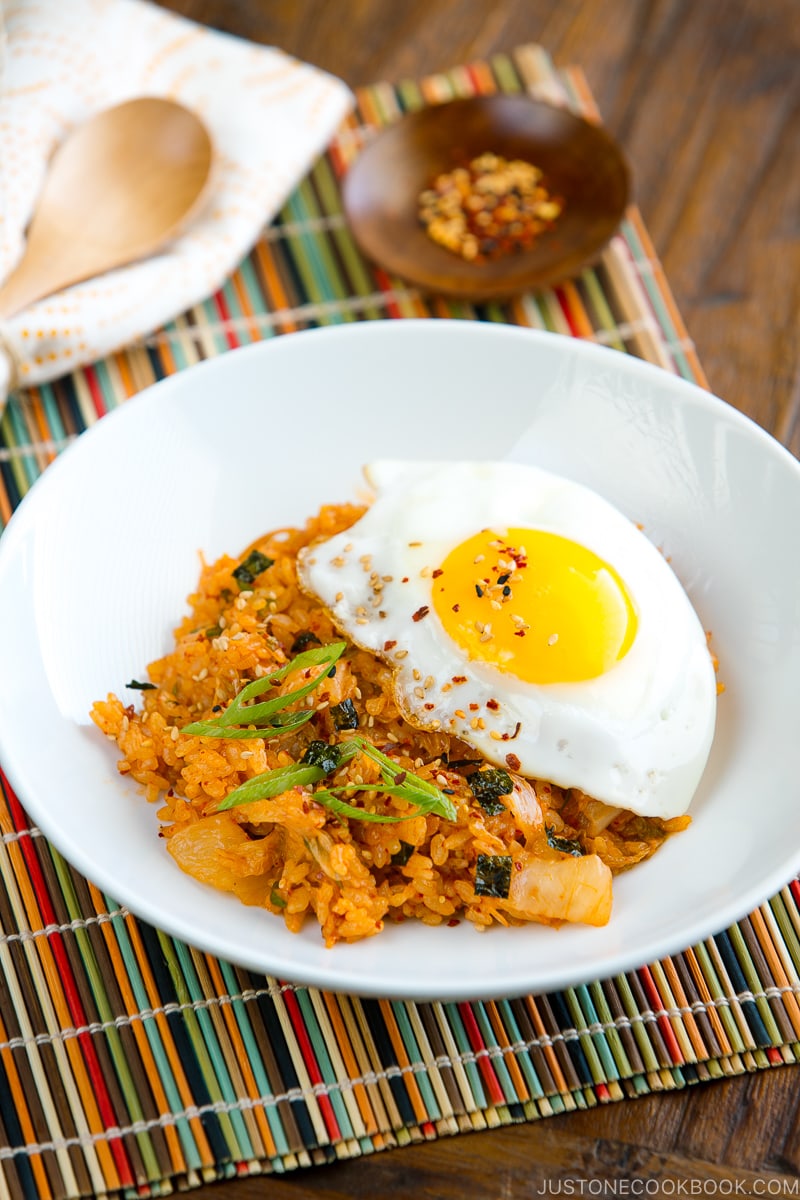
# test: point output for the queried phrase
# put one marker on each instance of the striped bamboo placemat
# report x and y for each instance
(131, 1063)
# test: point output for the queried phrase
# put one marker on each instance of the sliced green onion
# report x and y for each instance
(271, 783)
(425, 795)
(268, 716)
(329, 798)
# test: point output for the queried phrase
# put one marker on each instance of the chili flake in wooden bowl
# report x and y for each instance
(490, 207)
(582, 167)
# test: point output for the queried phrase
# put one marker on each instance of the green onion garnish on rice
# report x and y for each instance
(270, 783)
(242, 719)
(267, 718)
(398, 782)
(322, 759)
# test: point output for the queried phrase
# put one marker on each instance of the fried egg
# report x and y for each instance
(524, 614)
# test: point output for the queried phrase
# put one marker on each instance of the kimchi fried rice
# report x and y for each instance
(438, 836)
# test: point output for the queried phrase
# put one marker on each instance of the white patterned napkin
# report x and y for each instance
(269, 117)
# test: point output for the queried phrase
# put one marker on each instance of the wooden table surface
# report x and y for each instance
(703, 95)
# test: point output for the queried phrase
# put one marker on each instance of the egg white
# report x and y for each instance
(636, 737)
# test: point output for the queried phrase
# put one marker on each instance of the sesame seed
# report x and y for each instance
(551, 641)
(338, 561)
(436, 724)
(339, 596)
(428, 682)
(419, 693)
(479, 559)
(495, 736)
(401, 654)
(459, 712)
(362, 621)
(417, 674)
(348, 547)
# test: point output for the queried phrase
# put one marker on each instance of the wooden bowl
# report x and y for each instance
(581, 164)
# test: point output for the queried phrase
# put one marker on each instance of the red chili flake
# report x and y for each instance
(459, 679)
(519, 633)
(404, 579)
(456, 608)
(492, 704)
(474, 707)
(513, 762)
(437, 573)
(430, 707)
(389, 645)
(420, 613)
(517, 865)
(451, 924)
(487, 207)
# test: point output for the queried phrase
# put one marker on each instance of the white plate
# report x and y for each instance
(96, 565)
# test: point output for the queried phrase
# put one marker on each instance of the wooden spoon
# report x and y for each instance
(117, 188)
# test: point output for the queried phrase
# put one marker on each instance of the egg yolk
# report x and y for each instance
(535, 604)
